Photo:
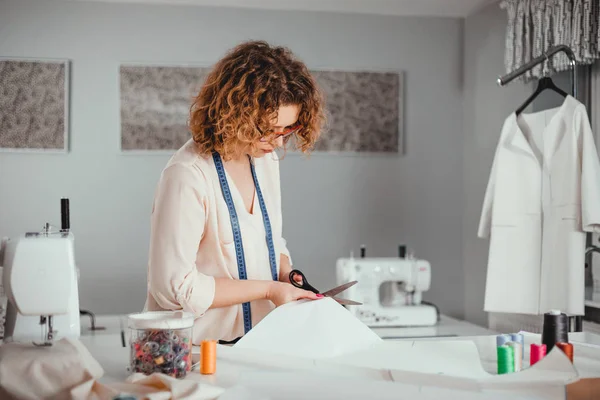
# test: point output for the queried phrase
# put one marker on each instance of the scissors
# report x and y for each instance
(330, 293)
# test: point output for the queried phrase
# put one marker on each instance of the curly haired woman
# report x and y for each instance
(222, 187)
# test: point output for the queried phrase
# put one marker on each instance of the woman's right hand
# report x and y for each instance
(281, 292)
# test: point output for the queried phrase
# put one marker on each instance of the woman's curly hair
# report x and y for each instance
(242, 94)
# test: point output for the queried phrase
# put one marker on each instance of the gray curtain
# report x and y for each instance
(536, 25)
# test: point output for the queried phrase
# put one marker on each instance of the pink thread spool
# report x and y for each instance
(538, 351)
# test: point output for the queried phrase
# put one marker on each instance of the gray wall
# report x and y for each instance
(486, 105)
(332, 204)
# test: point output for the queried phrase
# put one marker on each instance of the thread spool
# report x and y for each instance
(208, 357)
(502, 339)
(518, 355)
(65, 218)
(537, 352)
(566, 348)
(556, 329)
(519, 338)
(506, 359)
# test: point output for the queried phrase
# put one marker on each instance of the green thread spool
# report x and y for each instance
(506, 359)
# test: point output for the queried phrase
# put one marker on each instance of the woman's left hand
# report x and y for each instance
(281, 293)
(286, 278)
(285, 269)
(297, 278)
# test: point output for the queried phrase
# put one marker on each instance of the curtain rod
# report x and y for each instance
(504, 80)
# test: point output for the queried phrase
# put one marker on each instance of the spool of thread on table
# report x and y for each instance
(502, 339)
(567, 348)
(556, 329)
(506, 359)
(538, 351)
(208, 357)
(519, 338)
(518, 355)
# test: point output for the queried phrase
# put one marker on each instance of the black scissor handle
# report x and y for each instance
(304, 285)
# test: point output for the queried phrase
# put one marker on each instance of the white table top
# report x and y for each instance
(106, 345)
(447, 327)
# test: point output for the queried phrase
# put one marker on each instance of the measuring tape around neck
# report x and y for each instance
(237, 234)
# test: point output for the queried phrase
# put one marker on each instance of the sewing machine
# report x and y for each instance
(389, 288)
(40, 281)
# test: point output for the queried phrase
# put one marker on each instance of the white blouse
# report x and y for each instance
(192, 242)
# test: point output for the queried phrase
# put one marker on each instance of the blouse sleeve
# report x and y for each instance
(177, 226)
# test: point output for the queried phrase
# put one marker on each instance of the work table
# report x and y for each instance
(238, 368)
(106, 345)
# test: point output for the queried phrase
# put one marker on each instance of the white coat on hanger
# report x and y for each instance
(542, 196)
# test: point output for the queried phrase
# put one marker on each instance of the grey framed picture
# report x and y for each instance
(155, 102)
(364, 111)
(364, 108)
(34, 105)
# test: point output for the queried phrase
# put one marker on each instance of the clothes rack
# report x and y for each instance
(575, 322)
(504, 80)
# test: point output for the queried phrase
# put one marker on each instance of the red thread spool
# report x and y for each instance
(566, 348)
(538, 351)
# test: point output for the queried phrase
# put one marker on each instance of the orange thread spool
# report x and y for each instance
(567, 348)
(208, 355)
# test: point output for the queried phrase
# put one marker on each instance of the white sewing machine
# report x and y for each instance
(40, 281)
(389, 288)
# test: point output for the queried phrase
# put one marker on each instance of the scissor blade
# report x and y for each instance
(339, 289)
(347, 302)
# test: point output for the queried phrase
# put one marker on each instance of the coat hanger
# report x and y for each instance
(544, 83)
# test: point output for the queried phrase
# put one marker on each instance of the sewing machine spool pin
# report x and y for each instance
(402, 251)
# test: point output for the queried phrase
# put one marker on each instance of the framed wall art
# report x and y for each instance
(364, 108)
(364, 111)
(154, 105)
(34, 105)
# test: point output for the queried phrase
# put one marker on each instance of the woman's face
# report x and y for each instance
(287, 117)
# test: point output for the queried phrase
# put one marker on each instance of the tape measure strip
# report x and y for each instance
(267, 223)
(237, 235)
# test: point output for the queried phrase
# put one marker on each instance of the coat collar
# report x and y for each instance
(519, 140)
